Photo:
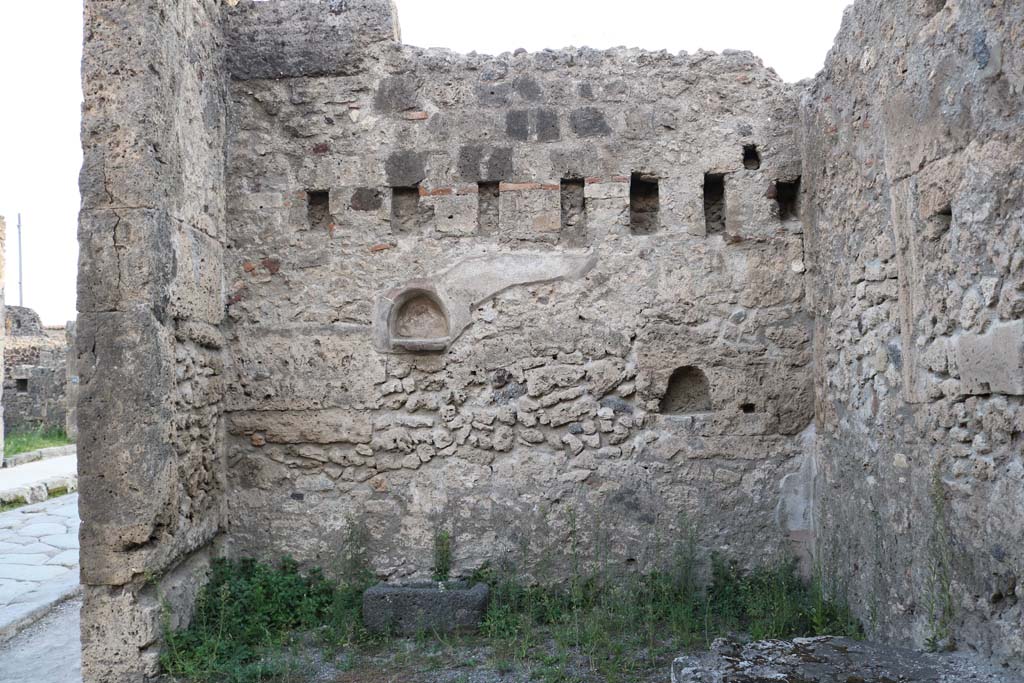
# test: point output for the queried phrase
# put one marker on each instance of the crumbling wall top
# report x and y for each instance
(23, 322)
(289, 38)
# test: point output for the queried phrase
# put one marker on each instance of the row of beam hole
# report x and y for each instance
(644, 203)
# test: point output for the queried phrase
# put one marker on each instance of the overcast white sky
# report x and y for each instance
(40, 50)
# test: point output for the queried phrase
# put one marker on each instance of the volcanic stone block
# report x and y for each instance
(426, 608)
(993, 363)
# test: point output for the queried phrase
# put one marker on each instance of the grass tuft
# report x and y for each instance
(442, 556)
(23, 442)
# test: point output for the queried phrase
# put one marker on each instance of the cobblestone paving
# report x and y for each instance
(38, 560)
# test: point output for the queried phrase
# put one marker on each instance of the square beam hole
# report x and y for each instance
(405, 208)
(318, 208)
(751, 158)
(714, 203)
(574, 212)
(22, 386)
(488, 207)
(787, 194)
(644, 204)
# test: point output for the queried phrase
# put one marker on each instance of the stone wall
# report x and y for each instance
(35, 361)
(445, 315)
(329, 282)
(912, 164)
(150, 302)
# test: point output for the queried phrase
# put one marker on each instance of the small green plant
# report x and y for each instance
(610, 624)
(345, 622)
(618, 624)
(939, 597)
(25, 441)
(442, 556)
(244, 618)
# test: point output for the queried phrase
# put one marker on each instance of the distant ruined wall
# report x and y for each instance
(915, 230)
(35, 374)
(22, 322)
(150, 299)
(461, 288)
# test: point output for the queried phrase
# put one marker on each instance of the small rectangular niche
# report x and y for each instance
(644, 204)
(787, 194)
(22, 386)
(574, 212)
(714, 203)
(488, 207)
(751, 158)
(318, 208)
(405, 208)
(941, 221)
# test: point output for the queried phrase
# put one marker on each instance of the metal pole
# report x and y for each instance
(21, 298)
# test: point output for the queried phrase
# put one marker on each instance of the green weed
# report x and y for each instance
(442, 556)
(610, 622)
(23, 442)
(245, 618)
(939, 596)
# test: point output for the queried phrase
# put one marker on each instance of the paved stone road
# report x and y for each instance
(38, 560)
(46, 652)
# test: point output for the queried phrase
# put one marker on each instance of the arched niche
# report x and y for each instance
(688, 391)
(418, 321)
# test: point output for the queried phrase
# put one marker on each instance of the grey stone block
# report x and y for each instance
(993, 363)
(426, 608)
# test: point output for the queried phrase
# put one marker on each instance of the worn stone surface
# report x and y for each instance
(825, 660)
(427, 608)
(48, 651)
(40, 473)
(35, 373)
(913, 212)
(38, 560)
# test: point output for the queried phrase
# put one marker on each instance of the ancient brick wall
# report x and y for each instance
(912, 164)
(150, 302)
(460, 288)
